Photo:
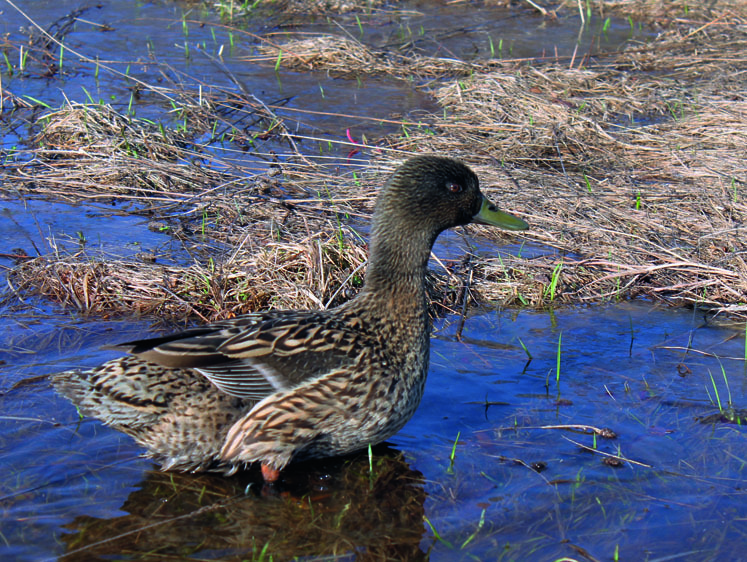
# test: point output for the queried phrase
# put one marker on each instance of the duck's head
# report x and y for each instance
(428, 194)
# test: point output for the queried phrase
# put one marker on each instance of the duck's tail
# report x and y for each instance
(177, 414)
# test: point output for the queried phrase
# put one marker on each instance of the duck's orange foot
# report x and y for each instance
(270, 474)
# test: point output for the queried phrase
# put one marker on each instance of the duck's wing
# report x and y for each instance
(256, 355)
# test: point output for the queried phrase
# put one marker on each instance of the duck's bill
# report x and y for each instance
(489, 214)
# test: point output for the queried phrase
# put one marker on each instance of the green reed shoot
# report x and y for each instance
(7, 64)
(9, 154)
(38, 101)
(62, 53)
(726, 382)
(203, 225)
(557, 361)
(360, 25)
(606, 25)
(437, 536)
(588, 182)
(734, 188)
(601, 506)
(715, 390)
(341, 514)
(263, 552)
(552, 287)
(452, 456)
(524, 347)
(677, 110)
(492, 47)
(280, 58)
(480, 525)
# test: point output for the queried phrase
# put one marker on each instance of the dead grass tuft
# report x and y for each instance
(304, 274)
(92, 152)
(668, 12)
(323, 7)
(343, 56)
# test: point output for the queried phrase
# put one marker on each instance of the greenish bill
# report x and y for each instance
(489, 214)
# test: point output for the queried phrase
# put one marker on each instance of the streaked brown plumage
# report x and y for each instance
(278, 386)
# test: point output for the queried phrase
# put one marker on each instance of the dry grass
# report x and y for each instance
(344, 56)
(275, 275)
(630, 170)
(651, 209)
(667, 11)
(321, 7)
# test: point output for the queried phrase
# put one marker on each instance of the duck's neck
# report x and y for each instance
(395, 278)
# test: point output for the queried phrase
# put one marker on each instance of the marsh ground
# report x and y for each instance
(172, 162)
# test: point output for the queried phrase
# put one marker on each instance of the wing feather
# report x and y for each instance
(257, 355)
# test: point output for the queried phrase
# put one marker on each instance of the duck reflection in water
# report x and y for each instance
(332, 508)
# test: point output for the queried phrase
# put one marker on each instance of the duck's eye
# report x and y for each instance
(454, 187)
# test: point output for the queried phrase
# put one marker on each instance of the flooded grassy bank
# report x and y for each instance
(170, 163)
(628, 164)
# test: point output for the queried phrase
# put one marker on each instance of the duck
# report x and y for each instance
(290, 385)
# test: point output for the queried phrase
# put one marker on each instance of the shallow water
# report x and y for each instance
(494, 465)
(35, 227)
(678, 491)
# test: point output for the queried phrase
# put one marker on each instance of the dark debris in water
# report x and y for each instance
(729, 416)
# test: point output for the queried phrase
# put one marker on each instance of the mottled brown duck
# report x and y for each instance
(277, 386)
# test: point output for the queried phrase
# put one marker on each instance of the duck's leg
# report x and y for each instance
(270, 474)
